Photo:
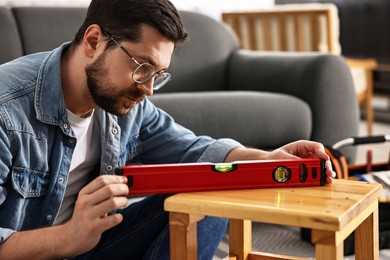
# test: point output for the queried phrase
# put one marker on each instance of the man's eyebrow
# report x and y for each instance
(151, 62)
(146, 59)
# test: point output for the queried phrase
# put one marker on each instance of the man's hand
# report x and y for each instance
(90, 219)
(299, 149)
(294, 150)
(91, 216)
(304, 149)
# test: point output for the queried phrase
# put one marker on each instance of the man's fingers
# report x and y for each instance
(109, 205)
(101, 182)
(102, 195)
(109, 191)
(110, 221)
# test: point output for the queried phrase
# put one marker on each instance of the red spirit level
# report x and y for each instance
(188, 177)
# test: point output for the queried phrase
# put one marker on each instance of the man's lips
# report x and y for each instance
(135, 100)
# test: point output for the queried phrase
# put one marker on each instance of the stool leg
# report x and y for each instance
(326, 246)
(182, 236)
(366, 238)
(326, 252)
(240, 238)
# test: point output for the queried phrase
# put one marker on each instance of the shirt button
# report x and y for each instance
(65, 126)
(61, 180)
(114, 131)
(49, 217)
(109, 168)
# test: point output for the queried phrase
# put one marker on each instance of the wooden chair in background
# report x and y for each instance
(302, 27)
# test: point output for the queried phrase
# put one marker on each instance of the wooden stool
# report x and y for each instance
(333, 212)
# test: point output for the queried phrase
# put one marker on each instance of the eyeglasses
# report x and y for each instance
(144, 71)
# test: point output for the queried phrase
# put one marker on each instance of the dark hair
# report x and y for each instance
(123, 19)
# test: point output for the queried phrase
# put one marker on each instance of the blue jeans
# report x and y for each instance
(144, 234)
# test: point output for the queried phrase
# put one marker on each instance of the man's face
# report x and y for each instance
(105, 94)
(109, 77)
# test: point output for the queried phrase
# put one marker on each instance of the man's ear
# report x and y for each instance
(94, 41)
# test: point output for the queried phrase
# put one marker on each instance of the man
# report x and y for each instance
(70, 116)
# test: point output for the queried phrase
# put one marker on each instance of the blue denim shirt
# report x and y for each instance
(37, 142)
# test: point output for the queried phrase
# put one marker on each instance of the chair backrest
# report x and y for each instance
(293, 27)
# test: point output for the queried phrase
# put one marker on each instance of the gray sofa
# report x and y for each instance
(261, 99)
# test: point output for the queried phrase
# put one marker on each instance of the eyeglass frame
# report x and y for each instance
(156, 75)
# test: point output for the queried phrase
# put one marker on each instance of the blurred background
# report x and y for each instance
(362, 33)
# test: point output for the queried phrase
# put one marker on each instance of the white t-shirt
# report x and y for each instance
(86, 156)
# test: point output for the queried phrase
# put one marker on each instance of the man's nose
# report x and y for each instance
(146, 87)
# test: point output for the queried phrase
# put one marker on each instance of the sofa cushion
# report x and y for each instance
(10, 44)
(200, 63)
(37, 23)
(263, 120)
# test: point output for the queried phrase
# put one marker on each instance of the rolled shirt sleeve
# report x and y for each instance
(5, 233)
(217, 151)
(165, 141)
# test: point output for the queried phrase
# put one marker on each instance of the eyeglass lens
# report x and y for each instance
(146, 71)
(161, 80)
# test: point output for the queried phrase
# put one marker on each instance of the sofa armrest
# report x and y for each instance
(322, 80)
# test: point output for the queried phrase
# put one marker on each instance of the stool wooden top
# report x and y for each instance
(329, 207)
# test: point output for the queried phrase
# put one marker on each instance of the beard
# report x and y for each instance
(106, 95)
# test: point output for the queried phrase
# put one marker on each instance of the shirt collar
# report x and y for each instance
(49, 100)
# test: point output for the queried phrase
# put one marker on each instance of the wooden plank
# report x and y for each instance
(183, 236)
(328, 207)
(282, 32)
(327, 252)
(267, 256)
(315, 33)
(252, 34)
(240, 238)
(366, 238)
(330, 31)
(267, 33)
(299, 33)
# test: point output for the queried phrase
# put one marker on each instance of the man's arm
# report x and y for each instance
(44, 243)
(294, 150)
(90, 219)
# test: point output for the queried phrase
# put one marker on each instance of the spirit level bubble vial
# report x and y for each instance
(281, 174)
(223, 167)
